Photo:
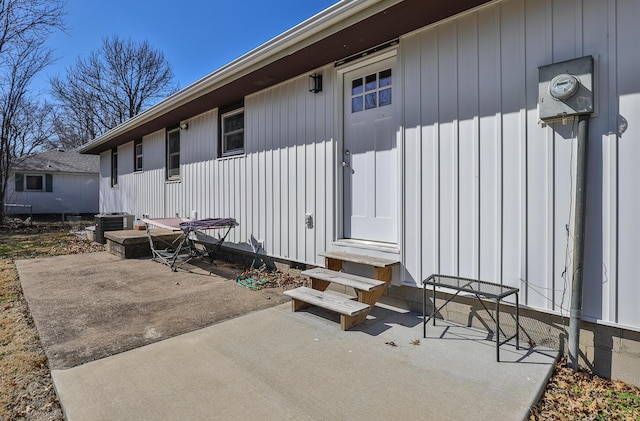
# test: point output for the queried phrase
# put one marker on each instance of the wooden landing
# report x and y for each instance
(376, 262)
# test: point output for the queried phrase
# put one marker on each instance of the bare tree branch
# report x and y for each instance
(110, 86)
(25, 123)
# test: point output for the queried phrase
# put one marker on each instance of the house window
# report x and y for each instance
(232, 132)
(371, 91)
(137, 155)
(114, 167)
(35, 182)
(173, 154)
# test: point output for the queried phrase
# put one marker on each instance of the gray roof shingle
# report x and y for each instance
(57, 160)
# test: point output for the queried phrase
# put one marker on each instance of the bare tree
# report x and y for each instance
(27, 20)
(24, 122)
(112, 85)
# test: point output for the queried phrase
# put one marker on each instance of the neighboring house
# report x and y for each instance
(424, 144)
(54, 181)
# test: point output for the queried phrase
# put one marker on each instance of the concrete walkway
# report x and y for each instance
(280, 365)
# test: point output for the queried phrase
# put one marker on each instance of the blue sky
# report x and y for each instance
(196, 36)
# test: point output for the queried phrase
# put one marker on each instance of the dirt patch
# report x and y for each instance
(95, 305)
(26, 390)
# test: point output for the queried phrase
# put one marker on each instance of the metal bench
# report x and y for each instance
(481, 290)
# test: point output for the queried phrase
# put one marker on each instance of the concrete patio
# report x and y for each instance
(276, 364)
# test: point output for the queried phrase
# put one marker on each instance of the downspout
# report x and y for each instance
(578, 248)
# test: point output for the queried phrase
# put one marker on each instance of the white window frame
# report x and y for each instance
(223, 134)
(137, 155)
(173, 177)
(42, 181)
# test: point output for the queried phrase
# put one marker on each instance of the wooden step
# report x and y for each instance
(330, 301)
(346, 279)
(378, 262)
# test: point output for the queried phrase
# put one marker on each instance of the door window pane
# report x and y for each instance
(371, 82)
(356, 87)
(370, 101)
(356, 104)
(385, 78)
(385, 97)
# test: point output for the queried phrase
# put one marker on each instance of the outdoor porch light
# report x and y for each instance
(184, 126)
(315, 83)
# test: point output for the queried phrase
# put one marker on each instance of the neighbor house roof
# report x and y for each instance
(58, 161)
(347, 28)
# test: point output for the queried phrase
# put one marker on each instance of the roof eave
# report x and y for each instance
(289, 41)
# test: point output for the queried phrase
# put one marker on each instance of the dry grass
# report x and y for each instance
(583, 396)
(26, 389)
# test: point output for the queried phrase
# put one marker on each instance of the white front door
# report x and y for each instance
(369, 157)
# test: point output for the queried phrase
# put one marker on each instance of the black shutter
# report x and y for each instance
(48, 182)
(19, 182)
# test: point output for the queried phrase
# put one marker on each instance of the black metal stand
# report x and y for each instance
(480, 289)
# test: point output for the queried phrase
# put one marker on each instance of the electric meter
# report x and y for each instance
(565, 89)
(563, 86)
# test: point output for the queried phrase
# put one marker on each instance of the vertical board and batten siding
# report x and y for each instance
(287, 171)
(625, 154)
(489, 190)
(290, 169)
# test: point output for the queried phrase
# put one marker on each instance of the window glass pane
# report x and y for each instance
(138, 163)
(34, 182)
(385, 78)
(356, 104)
(356, 87)
(234, 123)
(234, 141)
(174, 145)
(173, 172)
(233, 132)
(372, 82)
(370, 101)
(174, 142)
(385, 97)
(174, 162)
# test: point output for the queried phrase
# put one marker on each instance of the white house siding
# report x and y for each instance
(489, 191)
(287, 171)
(72, 193)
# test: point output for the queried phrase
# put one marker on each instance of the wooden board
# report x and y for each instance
(359, 258)
(330, 301)
(346, 279)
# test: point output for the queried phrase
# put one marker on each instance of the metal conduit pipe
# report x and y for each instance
(578, 246)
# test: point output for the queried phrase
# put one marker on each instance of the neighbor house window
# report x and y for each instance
(173, 154)
(232, 132)
(35, 182)
(114, 167)
(137, 158)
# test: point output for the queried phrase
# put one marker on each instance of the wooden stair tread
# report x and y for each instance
(346, 279)
(331, 301)
(359, 258)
